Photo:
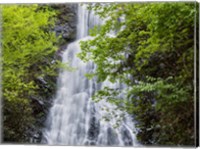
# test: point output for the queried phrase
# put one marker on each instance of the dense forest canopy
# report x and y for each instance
(152, 52)
(28, 47)
(149, 47)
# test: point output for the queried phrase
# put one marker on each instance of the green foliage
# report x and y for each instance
(28, 47)
(152, 53)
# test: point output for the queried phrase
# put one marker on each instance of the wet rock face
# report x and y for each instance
(66, 22)
(65, 28)
(126, 137)
(93, 131)
(94, 125)
(41, 103)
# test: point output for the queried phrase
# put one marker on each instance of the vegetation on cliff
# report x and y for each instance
(28, 48)
(152, 52)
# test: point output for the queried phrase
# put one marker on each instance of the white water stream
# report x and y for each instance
(74, 118)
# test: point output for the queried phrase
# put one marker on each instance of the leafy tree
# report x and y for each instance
(151, 52)
(28, 47)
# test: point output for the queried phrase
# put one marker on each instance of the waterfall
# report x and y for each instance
(74, 119)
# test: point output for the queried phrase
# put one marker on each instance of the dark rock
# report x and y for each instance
(88, 143)
(92, 143)
(41, 79)
(66, 22)
(111, 137)
(126, 137)
(94, 126)
(94, 129)
(41, 101)
(37, 100)
(36, 137)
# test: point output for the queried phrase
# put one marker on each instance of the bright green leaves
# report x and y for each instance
(152, 53)
(28, 45)
(25, 40)
(23, 33)
(161, 29)
(166, 92)
(106, 93)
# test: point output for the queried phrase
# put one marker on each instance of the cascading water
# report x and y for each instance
(74, 118)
